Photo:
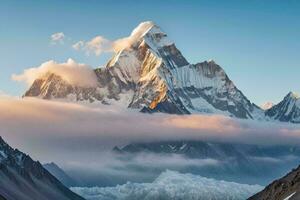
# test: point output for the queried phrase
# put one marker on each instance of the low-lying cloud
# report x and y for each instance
(52, 131)
(100, 44)
(74, 73)
(58, 125)
(73, 135)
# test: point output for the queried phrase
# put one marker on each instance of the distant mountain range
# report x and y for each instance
(250, 164)
(25, 179)
(153, 76)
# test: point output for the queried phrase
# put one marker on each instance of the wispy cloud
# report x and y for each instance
(100, 44)
(97, 46)
(57, 38)
(78, 45)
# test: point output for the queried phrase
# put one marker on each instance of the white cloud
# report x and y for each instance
(100, 44)
(57, 38)
(96, 45)
(78, 45)
(72, 72)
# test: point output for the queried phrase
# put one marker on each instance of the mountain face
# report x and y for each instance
(250, 164)
(285, 188)
(25, 179)
(152, 75)
(60, 174)
(288, 110)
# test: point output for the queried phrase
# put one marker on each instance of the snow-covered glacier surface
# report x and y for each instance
(172, 185)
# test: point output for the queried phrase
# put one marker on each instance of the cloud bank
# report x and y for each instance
(74, 73)
(47, 128)
(100, 44)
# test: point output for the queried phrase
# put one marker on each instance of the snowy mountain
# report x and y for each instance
(285, 188)
(288, 110)
(23, 178)
(60, 174)
(152, 75)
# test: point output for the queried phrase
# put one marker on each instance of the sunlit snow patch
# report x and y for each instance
(172, 185)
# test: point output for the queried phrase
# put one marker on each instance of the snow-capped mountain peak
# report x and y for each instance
(150, 74)
(143, 28)
(288, 110)
(156, 38)
(267, 105)
(292, 95)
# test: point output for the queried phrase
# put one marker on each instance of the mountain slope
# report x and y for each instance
(288, 110)
(25, 179)
(152, 75)
(59, 174)
(287, 187)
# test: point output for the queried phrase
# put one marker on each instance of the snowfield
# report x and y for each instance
(172, 185)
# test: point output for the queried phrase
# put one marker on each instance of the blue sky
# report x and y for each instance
(256, 41)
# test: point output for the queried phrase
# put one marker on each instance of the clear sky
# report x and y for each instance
(256, 42)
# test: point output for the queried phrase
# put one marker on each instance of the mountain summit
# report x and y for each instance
(150, 74)
(288, 110)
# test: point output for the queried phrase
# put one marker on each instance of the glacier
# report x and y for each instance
(172, 185)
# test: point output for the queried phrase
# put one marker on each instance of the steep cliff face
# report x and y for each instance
(23, 178)
(153, 76)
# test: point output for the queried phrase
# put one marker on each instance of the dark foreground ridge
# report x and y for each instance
(287, 187)
(22, 178)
